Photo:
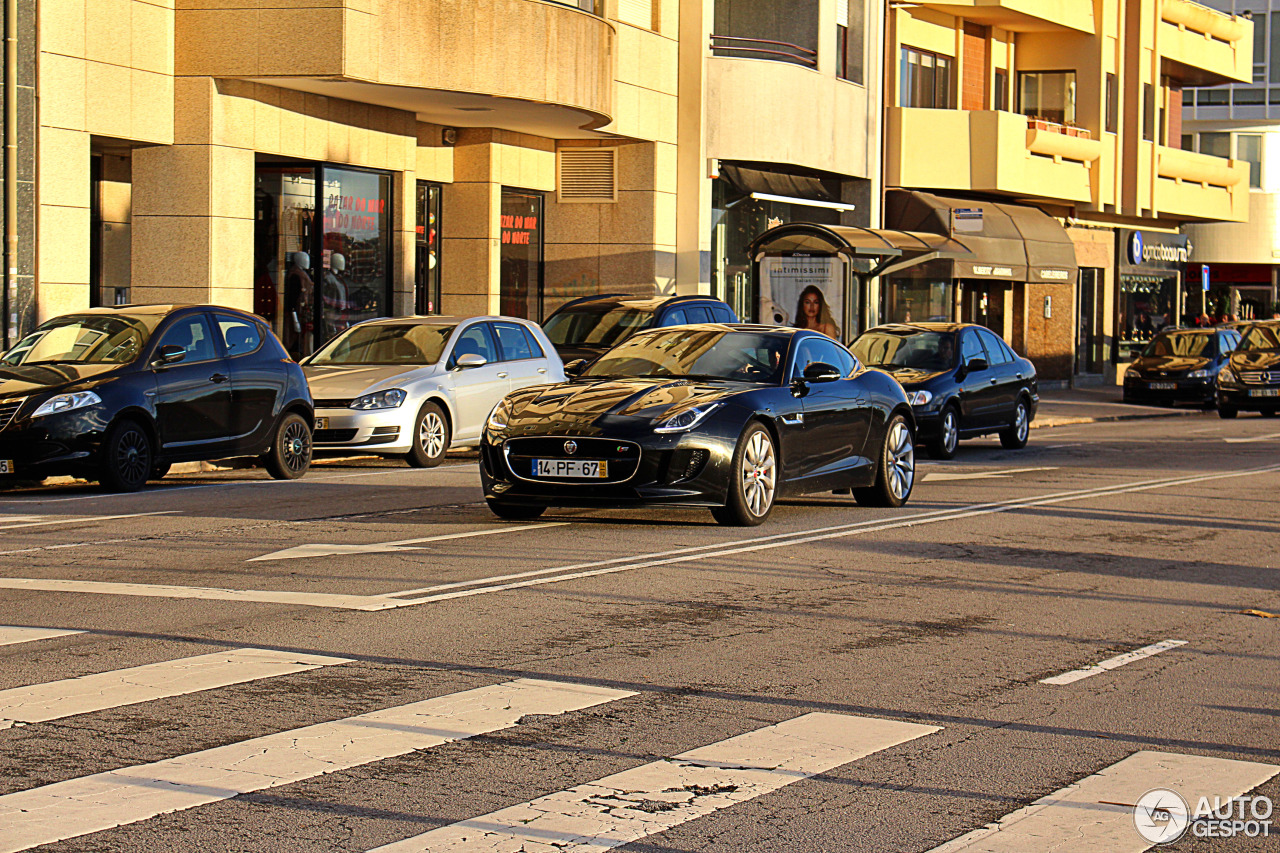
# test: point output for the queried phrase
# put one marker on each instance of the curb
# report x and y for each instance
(1051, 422)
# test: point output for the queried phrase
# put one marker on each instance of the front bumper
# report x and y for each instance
(379, 430)
(1183, 391)
(1249, 398)
(68, 443)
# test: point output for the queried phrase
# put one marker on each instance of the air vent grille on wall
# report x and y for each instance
(588, 174)
(638, 13)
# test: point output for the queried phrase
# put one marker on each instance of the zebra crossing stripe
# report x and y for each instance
(635, 803)
(93, 803)
(56, 699)
(12, 634)
(1097, 813)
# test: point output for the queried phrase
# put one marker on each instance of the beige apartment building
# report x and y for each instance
(1045, 136)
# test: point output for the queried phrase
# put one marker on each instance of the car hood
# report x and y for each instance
(23, 379)
(1266, 360)
(910, 375)
(351, 381)
(1171, 363)
(585, 404)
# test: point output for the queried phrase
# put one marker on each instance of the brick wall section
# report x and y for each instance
(1050, 343)
(973, 85)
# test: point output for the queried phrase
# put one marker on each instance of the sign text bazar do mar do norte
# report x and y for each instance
(517, 229)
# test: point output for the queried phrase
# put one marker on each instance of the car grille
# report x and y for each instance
(623, 456)
(332, 436)
(1256, 377)
(9, 409)
(331, 404)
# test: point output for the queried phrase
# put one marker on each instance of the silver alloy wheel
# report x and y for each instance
(950, 430)
(431, 435)
(901, 460)
(759, 473)
(1020, 423)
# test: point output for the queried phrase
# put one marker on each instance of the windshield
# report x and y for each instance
(386, 343)
(918, 350)
(596, 325)
(1261, 339)
(712, 354)
(1192, 345)
(85, 339)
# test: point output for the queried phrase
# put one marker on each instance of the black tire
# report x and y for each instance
(127, 455)
(1227, 412)
(1268, 413)
(290, 453)
(944, 444)
(753, 479)
(514, 512)
(430, 437)
(895, 470)
(159, 470)
(1015, 437)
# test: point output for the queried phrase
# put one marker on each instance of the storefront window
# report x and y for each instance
(1147, 305)
(426, 296)
(520, 284)
(1050, 95)
(926, 295)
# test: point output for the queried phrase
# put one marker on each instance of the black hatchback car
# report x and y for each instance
(587, 327)
(962, 380)
(1179, 366)
(119, 394)
(1250, 379)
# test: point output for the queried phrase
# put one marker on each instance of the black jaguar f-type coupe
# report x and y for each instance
(729, 417)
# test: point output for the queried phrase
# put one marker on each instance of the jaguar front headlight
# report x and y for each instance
(500, 417)
(919, 398)
(67, 403)
(686, 420)
(389, 399)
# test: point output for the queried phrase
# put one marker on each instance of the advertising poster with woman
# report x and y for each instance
(804, 292)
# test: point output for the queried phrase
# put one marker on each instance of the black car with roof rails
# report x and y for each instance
(1249, 381)
(119, 394)
(962, 380)
(587, 327)
(1180, 366)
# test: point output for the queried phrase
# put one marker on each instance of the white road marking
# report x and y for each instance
(93, 803)
(57, 699)
(85, 518)
(320, 550)
(940, 477)
(1272, 437)
(1094, 814)
(1111, 663)
(7, 519)
(655, 797)
(12, 634)
(557, 574)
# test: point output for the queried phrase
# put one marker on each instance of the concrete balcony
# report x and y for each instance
(1202, 47)
(523, 65)
(1025, 16)
(1197, 186)
(988, 151)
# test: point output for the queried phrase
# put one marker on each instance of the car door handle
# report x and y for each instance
(994, 380)
(542, 370)
(502, 375)
(218, 378)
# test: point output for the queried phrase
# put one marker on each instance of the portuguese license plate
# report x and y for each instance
(581, 469)
(6, 466)
(1163, 386)
(322, 423)
(1264, 392)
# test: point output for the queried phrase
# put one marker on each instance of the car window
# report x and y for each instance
(475, 340)
(996, 351)
(818, 350)
(697, 314)
(970, 347)
(239, 336)
(534, 346)
(722, 314)
(193, 335)
(512, 341)
(675, 317)
(1228, 342)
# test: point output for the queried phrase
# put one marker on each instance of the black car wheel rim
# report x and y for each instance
(901, 458)
(758, 474)
(1020, 425)
(431, 435)
(294, 447)
(133, 456)
(950, 431)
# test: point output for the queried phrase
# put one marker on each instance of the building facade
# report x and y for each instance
(1242, 121)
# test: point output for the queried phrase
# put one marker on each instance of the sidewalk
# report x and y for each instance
(1094, 405)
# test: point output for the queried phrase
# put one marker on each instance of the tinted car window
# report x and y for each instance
(1261, 339)
(239, 336)
(193, 335)
(970, 347)
(1196, 344)
(710, 354)
(697, 314)
(813, 350)
(380, 343)
(512, 341)
(475, 340)
(675, 317)
(84, 339)
(595, 325)
(722, 314)
(997, 353)
(916, 349)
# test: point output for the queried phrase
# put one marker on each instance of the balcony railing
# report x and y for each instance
(749, 48)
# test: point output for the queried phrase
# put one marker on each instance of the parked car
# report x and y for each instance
(725, 416)
(413, 387)
(1250, 380)
(587, 327)
(1180, 366)
(119, 394)
(962, 380)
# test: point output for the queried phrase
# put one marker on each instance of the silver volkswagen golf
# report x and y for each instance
(413, 387)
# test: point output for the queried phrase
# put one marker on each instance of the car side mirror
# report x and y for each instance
(471, 359)
(169, 354)
(574, 368)
(976, 365)
(821, 372)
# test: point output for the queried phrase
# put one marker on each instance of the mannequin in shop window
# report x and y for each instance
(334, 292)
(298, 289)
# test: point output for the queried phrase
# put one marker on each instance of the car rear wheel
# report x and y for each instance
(514, 512)
(1015, 437)
(1268, 413)
(430, 437)
(753, 483)
(290, 453)
(944, 444)
(127, 457)
(1226, 412)
(896, 473)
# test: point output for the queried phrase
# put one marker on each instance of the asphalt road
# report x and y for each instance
(885, 667)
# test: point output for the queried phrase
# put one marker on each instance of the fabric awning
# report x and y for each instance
(878, 244)
(747, 181)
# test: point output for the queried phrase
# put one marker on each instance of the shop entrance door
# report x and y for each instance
(426, 289)
(1089, 321)
(983, 304)
(520, 278)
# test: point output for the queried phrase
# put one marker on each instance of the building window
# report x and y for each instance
(1000, 101)
(1113, 105)
(1213, 97)
(1050, 95)
(1249, 97)
(1188, 142)
(1148, 112)
(1216, 144)
(849, 40)
(520, 254)
(1260, 49)
(426, 292)
(1274, 45)
(1249, 149)
(926, 80)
